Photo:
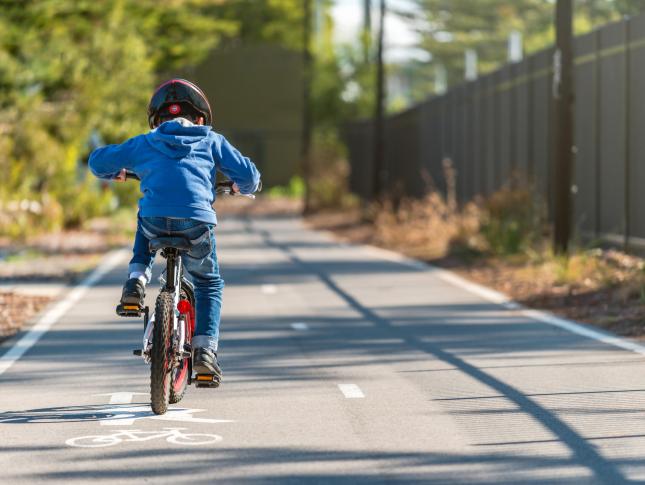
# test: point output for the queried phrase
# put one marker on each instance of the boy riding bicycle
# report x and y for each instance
(177, 162)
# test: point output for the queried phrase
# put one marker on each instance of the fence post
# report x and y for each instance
(307, 115)
(628, 31)
(563, 103)
(514, 118)
(530, 137)
(597, 134)
(379, 174)
(497, 124)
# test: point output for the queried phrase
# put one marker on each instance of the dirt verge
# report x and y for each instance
(17, 309)
(33, 271)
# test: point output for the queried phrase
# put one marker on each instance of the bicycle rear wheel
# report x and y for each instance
(181, 373)
(161, 354)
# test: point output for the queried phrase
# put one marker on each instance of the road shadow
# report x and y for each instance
(583, 452)
(75, 414)
(295, 465)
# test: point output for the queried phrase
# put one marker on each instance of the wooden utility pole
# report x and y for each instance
(379, 175)
(563, 99)
(307, 120)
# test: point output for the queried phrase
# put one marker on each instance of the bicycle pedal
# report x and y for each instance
(206, 381)
(129, 310)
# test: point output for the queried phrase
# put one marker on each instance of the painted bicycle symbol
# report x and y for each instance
(172, 435)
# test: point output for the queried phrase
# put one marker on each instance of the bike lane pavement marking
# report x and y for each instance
(51, 317)
(172, 435)
(351, 391)
(269, 289)
(123, 415)
(128, 415)
(122, 397)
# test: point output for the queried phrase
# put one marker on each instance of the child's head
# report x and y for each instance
(179, 98)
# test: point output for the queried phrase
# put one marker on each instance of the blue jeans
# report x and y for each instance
(200, 262)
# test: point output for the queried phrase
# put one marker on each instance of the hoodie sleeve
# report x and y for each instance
(235, 166)
(106, 162)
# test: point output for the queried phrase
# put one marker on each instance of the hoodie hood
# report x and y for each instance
(176, 138)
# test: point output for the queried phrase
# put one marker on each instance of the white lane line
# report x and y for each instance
(503, 300)
(110, 261)
(121, 397)
(269, 289)
(351, 391)
(300, 326)
(118, 420)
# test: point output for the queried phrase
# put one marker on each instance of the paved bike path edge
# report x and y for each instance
(16, 346)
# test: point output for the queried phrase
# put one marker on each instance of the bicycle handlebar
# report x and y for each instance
(225, 187)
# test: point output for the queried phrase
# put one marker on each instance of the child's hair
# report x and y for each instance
(179, 110)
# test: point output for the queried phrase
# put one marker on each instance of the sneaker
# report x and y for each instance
(205, 363)
(133, 293)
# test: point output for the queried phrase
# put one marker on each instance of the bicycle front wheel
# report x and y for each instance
(160, 354)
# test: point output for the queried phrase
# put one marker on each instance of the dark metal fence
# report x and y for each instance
(497, 130)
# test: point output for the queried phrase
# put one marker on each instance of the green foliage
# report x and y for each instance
(71, 68)
(74, 69)
(295, 189)
(274, 21)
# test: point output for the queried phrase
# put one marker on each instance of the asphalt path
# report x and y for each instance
(341, 365)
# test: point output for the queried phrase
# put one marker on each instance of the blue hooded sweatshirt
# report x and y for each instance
(177, 163)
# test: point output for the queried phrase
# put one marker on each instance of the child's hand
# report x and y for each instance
(235, 189)
(121, 177)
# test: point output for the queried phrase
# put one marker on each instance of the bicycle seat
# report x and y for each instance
(175, 242)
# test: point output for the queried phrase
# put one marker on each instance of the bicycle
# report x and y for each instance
(168, 331)
(172, 435)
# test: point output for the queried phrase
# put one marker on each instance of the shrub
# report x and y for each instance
(330, 174)
(294, 189)
(512, 221)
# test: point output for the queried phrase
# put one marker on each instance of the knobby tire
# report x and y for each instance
(160, 355)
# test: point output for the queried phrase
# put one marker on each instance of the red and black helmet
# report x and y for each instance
(176, 97)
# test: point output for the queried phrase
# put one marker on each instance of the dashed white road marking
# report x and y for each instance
(269, 289)
(300, 326)
(54, 314)
(121, 397)
(351, 391)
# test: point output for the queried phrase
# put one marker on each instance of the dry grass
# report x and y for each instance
(427, 228)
